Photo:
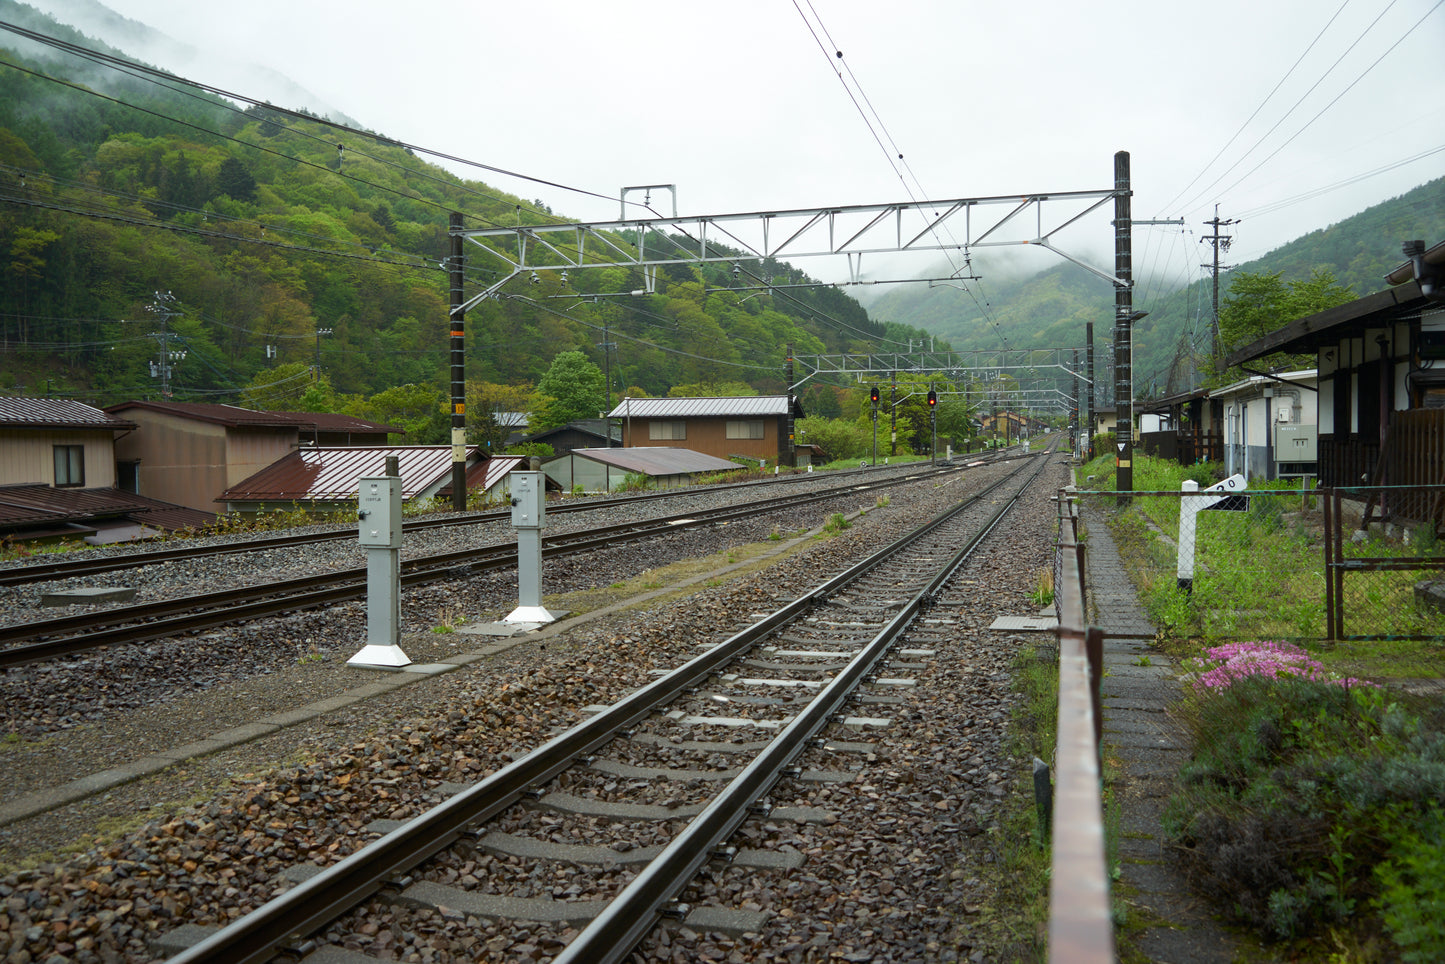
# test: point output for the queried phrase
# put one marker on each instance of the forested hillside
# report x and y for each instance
(285, 242)
(1051, 308)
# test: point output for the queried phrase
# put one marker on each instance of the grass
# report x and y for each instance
(1014, 922)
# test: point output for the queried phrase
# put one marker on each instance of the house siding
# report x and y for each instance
(709, 436)
(30, 455)
(190, 462)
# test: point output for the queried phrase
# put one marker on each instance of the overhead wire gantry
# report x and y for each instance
(850, 231)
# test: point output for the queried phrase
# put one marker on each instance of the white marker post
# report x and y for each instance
(1217, 496)
(529, 515)
(378, 513)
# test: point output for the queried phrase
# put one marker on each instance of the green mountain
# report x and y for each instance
(1051, 308)
(281, 239)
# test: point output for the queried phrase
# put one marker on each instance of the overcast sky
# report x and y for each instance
(745, 106)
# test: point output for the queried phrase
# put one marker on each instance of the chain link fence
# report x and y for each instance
(1235, 564)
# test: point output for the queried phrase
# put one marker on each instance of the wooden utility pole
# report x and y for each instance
(458, 316)
(1123, 322)
(1220, 242)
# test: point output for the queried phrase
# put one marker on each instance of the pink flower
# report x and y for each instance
(1222, 665)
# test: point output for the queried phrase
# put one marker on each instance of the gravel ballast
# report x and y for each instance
(212, 837)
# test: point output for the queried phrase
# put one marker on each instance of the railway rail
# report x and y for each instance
(853, 624)
(33, 571)
(67, 635)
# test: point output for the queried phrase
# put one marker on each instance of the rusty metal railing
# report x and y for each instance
(1081, 928)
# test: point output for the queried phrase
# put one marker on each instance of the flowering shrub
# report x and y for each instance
(1221, 666)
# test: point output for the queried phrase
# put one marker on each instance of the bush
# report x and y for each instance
(1308, 802)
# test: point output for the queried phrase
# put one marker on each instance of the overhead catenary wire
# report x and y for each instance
(1350, 86)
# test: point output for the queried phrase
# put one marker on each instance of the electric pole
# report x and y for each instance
(1220, 243)
(161, 367)
(319, 333)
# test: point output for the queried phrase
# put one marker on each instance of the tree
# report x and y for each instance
(487, 402)
(279, 388)
(1258, 304)
(572, 388)
(233, 179)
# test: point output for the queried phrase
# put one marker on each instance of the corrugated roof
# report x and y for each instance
(331, 473)
(486, 473)
(33, 504)
(657, 460)
(56, 413)
(724, 407)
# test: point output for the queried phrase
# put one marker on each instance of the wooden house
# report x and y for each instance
(58, 442)
(188, 453)
(755, 428)
(1381, 365)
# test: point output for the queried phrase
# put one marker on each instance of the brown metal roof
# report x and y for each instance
(657, 460)
(332, 473)
(46, 413)
(336, 422)
(31, 505)
(231, 415)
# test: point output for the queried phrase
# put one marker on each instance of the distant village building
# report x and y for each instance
(58, 442)
(188, 453)
(609, 469)
(58, 477)
(752, 427)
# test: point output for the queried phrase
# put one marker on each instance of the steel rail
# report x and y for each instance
(287, 919)
(613, 933)
(31, 572)
(68, 635)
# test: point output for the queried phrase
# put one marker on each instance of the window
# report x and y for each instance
(666, 431)
(745, 428)
(69, 465)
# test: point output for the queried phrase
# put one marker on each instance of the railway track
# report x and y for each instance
(68, 635)
(44, 571)
(785, 678)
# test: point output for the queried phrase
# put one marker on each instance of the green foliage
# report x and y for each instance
(636, 482)
(839, 438)
(1297, 790)
(573, 388)
(1412, 890)
(1258, 304)
(711, 390)
(836, 523)
(539, 449)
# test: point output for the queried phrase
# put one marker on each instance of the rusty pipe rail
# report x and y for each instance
(1081, 928)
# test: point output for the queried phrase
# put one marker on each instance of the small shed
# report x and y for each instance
(607, 469)
(1270, 425)
(584, 433)
(326, 478)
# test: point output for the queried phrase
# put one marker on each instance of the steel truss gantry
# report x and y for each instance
(981, 364)
(849, 230)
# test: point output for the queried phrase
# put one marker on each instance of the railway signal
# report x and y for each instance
(932, 398)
